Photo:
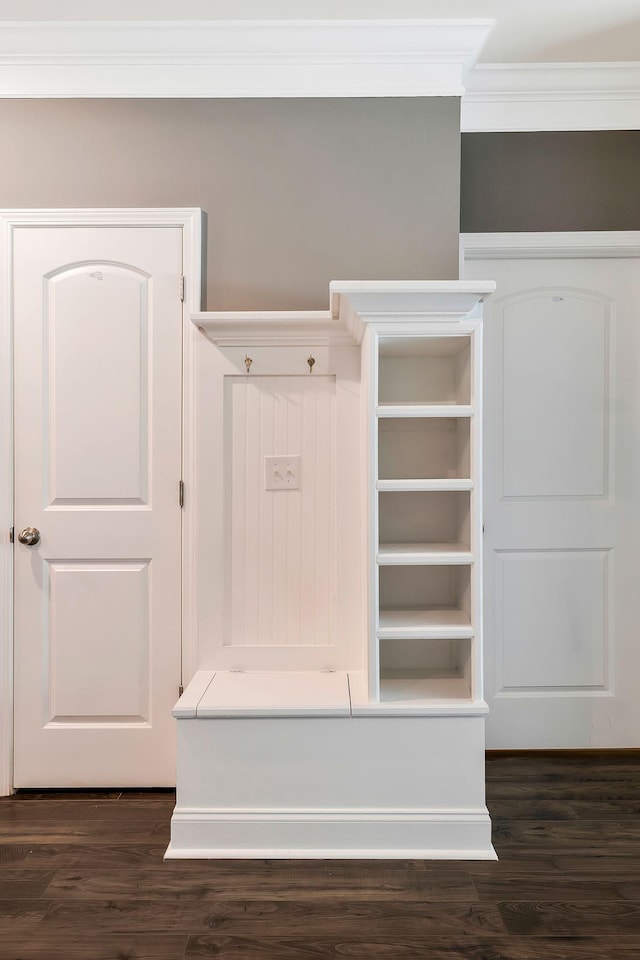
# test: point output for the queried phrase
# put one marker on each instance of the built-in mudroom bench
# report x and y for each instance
(335, 563)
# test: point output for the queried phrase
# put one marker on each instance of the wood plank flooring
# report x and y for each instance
(82, 876)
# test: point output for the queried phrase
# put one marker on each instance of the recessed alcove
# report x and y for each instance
(429, 448)
(413, 370)
(416, 525)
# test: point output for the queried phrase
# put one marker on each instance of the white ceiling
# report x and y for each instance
(543, 31)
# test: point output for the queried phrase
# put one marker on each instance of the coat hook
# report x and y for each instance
(311, 361)
(247, 362)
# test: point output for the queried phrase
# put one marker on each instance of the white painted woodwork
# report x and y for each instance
(419, 371)
(187, 706)
(11, 223)
(562, 504)
(562, 643)
(428, 448)
(425, 522)
(320, 58)
(426, 621)
(514, 96)
(281, 544)
(239, 58)
(340, 620)
(555, 388)
(107, 672)
(277, 588)
(98, 444)
(98, 329)
(286, 693)
(415, 696)
(323, 787)
(454, 483)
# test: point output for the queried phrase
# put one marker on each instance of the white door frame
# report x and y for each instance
(190, 220)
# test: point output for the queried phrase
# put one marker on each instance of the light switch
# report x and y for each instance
(282, 473)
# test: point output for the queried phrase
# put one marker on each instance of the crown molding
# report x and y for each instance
(238, 58)
(526, 246)
(271, 328)
(551, 96)
(403, 307)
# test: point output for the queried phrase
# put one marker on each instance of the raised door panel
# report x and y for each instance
(96, 370)
(552, 629)
(555, 394)
(97, 642)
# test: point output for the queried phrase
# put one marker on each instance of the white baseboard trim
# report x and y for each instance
(331, 834)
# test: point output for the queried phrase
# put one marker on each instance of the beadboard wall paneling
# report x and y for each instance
(281, 544)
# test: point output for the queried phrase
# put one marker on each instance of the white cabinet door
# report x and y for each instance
(562, 502)
(97, 457)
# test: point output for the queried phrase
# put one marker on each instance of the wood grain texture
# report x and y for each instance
(82, 876)
(436, 948)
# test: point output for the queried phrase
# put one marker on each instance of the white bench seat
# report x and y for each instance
(265, 694)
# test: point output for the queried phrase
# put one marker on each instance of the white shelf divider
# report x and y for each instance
(423, 554)
(445, 483)
(429, 624)
(421, 410)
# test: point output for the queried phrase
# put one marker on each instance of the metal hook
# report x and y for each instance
(310, 361)
(247, 362)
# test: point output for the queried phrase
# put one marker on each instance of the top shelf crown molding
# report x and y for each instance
(238, 58)
(404, 306)
(398, 305)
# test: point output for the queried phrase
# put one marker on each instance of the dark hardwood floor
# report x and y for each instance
(82, 876)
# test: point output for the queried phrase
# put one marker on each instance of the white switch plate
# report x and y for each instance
(282, 473)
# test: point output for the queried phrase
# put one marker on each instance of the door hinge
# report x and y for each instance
(11, 535)
(181, 493)
(181, 288)
(180, 689)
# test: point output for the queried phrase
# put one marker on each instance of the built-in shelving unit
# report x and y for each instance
(425, 533)
(350, 593)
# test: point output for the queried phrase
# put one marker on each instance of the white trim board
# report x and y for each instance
(513, 97)
(349, 833)
(238, 58)
(190, 220)
(572, 244)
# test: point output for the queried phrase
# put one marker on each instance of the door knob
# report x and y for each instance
(29, 536)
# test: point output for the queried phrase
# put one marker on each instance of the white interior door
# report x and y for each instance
(562, 502)
(97, 319)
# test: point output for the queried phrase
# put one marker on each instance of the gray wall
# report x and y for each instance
(550, 181)
(297, 192)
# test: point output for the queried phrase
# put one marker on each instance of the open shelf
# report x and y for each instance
(427, 524)
(425, 370)
(409, 686)
(424, 449)
(415, 669)
(425, 601)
